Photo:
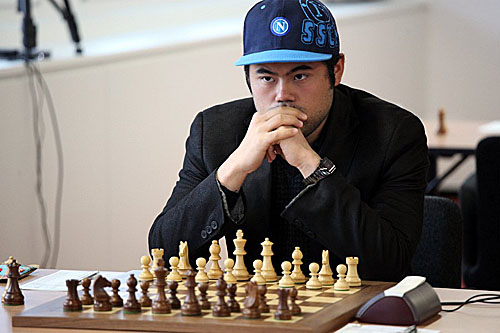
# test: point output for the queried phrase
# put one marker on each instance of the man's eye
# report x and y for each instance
(266, 79)
(300, 76)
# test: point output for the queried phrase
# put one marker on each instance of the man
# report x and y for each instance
(307, 161)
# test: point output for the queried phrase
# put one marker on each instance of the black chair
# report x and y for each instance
(439, 254)
(480, 203)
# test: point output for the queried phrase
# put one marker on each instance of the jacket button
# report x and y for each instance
(311, 234)
(208, 229)
(297, 223)
(214, 225)
(203, 234)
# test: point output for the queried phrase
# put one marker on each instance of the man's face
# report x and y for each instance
(304, 86)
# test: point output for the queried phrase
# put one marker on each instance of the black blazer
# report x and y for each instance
(371, 207)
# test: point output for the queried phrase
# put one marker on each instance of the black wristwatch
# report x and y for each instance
(324, 169)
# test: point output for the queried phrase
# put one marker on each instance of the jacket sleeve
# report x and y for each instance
(195, 211)
(382, 231)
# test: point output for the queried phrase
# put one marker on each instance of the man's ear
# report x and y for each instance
(338, 71)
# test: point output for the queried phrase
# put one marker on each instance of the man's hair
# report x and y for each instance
(330, 65)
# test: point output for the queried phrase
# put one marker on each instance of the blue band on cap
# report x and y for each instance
(281, 56)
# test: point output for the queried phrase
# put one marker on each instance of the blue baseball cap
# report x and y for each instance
(289, 31)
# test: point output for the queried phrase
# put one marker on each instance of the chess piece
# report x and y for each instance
(313, 282)
(297, 275)
(160, 303)
(72, 302)
(184, 265)
(174, 274)
(220, 309)
(240, 270)
(257, 276)
(101, 297)
(251, 303)
(13, 294)
(86, 299)
(116, 300)
(232, 302)
(326, 274)
(145, 301)
(286, 281)
(157, 254)
(190, 307)
(263, 306)
(283, 311)
(215, 271)
(352, 272)
(201, 276)
(172, 295)
(341, 284)
(132, 305)
(268, 271)
(229, 277)
(145, 274)
(442, 126)
(202, 298)
(294, 308)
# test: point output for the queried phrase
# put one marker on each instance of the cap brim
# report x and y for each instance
(273, 56)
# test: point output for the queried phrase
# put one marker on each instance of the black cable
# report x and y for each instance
(481, 298)
(38, 149)
(60, 165)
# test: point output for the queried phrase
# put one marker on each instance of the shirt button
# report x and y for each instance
(203, 234)
(311, 234)
(208, 229)
(214, 225)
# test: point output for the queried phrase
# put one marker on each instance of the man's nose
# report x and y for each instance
(284, 92)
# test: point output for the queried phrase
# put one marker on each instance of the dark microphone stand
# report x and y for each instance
(70, 19)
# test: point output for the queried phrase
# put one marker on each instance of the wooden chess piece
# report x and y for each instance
(215, 271)
(72, 302)
(240, 270)
(86, 298)
(190, 307)
(157, 254)
(294, 308)
(116, 300)
(229, 276)
(297, 275)
(283, 311)
(263, 306)
(132, 305)
(13, 294)
(202, 298)
(184, 265)
(172, 295)
(174, 273)
(326, 274)
(101, 297)
(286, 281)
(352, 272)
(251, 303)
(232, 302)
(268, 271)
(145, 301)
(201, 276)
(313, 282)
(257, 276)
(442, 126)
(220, 309)
(341, 284)
(160, 303)
(146, 273)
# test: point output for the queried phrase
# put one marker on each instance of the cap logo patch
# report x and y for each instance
(280, 26)
(318, 27)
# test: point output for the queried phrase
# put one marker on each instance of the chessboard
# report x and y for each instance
(323, 310)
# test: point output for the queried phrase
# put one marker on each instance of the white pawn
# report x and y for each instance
(257, 276)
(352, 272)
(145, 274)
(268, 271)
(157, 254)
(326, 274)
(286, 281)
(341, 284)
(229, 277)
(313, 282)
(215, 271)
(201, 276)
(297, 274)
(174, 274)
